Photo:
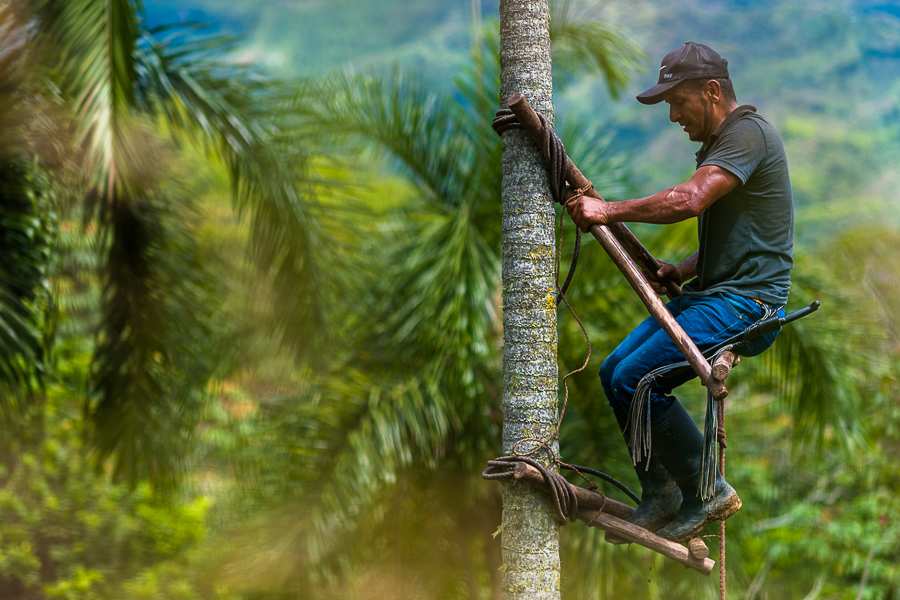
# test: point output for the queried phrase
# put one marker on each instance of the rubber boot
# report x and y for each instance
(679, 445)
(660, 495)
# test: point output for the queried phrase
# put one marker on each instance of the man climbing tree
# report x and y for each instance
(740, 274)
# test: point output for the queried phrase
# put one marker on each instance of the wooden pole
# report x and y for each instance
(644, 538)
(636, 249)
(532, 125)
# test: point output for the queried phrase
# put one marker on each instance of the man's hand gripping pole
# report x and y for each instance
(613, 239)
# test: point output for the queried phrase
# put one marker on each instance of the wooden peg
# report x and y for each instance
(698, 549)
(723, 365)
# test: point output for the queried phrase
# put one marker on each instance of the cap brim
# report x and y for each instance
(655, 94)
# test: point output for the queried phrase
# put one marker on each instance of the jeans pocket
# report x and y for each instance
(745, 309)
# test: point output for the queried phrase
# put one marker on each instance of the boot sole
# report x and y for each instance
(722, 511)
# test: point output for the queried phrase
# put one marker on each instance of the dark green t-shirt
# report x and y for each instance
(747, 236)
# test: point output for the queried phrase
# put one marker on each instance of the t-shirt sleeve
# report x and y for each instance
(740, 149)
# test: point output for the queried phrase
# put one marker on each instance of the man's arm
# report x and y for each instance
(679, 203)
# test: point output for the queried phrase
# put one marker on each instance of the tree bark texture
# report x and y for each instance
(529, 534)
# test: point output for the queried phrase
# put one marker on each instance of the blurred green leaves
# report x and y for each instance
(26, 225)
(67, 531)
(120, 87)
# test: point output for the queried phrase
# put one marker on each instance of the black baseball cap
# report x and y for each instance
(690, 61)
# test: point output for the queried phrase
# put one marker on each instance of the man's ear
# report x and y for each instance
(713, 90)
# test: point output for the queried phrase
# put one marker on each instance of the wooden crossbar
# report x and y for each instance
(607, 514)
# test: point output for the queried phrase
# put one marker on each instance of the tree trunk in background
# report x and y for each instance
(530, 534)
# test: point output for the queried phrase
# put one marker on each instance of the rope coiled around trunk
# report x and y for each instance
(553, 148)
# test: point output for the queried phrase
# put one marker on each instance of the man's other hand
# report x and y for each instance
(587, 211)
(666, 271)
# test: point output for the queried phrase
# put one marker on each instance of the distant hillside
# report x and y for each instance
(826, 72)
(318, 36)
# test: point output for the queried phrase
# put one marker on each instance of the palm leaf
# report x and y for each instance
(149, 366)
(154, 353)
(585, 44)
(184, 78)
(26, 222)
(418, 129)
(239, 117)
(97, 40)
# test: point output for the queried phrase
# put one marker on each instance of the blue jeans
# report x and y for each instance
(708, 320)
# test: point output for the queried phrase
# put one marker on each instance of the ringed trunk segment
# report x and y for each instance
(529, 532)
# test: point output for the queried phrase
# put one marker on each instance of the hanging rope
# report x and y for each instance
(720, 434)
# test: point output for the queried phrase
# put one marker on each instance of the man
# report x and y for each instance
(741, 195)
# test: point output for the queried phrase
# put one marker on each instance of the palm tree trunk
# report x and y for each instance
(530, 534)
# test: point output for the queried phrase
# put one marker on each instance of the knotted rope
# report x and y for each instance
(565, 500)
(562, 492)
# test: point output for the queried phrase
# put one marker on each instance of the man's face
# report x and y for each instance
(693, 110)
